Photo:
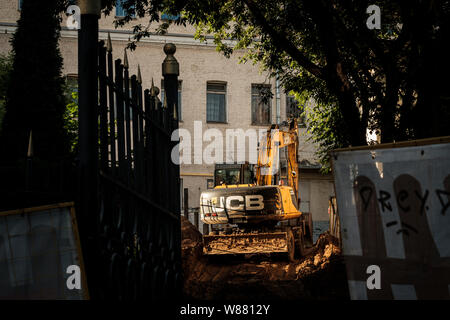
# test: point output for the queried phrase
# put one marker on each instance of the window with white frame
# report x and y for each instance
(261, 104)
(294, 109)
(120, 10)
(216, 101)
(166, 16)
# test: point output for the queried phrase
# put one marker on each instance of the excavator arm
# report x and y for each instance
(268, 156)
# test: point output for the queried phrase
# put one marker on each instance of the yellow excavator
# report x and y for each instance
(255, 210)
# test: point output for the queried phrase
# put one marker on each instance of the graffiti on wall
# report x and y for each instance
(402, 222)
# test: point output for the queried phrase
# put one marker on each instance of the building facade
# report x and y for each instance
(214, 92)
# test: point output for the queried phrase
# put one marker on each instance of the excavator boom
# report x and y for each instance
(268, 156)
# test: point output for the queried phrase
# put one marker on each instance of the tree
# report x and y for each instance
(35, 98)
(387, 80)
(5, 74)
(71, 120)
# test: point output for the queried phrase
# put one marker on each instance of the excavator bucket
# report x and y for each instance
(246, 243)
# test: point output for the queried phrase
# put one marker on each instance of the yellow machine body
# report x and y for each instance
(262, 217)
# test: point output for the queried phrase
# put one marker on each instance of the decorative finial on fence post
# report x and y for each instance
(165, 100)
(170, 71)
(125, 58)
(30, 145)
(157, 101)
(139, 77)
(90, 6)
(109, 44)
(153, 89)
(170, 65)
(175, 117)
(29, 163)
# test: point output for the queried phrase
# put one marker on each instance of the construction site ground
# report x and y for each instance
(318, 275)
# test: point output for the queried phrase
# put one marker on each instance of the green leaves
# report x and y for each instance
(384, 80)
(71, 121)
(5, 75)
(35, 98)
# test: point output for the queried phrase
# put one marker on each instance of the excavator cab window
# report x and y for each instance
(233, 174)
(227, 176)
(248, 176)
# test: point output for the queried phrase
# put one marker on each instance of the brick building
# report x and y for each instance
(218, 92)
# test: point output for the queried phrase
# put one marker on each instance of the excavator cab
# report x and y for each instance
(233, 174)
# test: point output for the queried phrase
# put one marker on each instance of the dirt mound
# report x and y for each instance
(319, 275)
(189, 231)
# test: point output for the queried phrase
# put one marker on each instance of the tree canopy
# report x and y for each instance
(5, 74)
(35, 98)
(391, 80)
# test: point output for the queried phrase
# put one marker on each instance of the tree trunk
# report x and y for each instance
(388, 110)
(354, 130)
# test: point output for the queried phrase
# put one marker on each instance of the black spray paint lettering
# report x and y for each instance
(423, 200)
(444, 205)
(383, 199)
(366, 195)
(402, 195)
(405, 229)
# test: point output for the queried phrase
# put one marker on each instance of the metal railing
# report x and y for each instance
(134, 248)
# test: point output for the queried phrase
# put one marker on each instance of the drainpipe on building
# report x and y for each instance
(277, 94)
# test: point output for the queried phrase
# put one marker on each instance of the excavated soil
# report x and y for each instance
(319, 275)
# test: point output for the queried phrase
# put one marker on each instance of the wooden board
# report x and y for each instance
(37, 245)
(394, 211)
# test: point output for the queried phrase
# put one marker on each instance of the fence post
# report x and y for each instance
(196, 219)
(170, 71)
(186, 203)
(88, 129)
(29, 164)
(205, 228)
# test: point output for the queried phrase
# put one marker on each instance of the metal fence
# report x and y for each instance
(134, 250)
(34, 182)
